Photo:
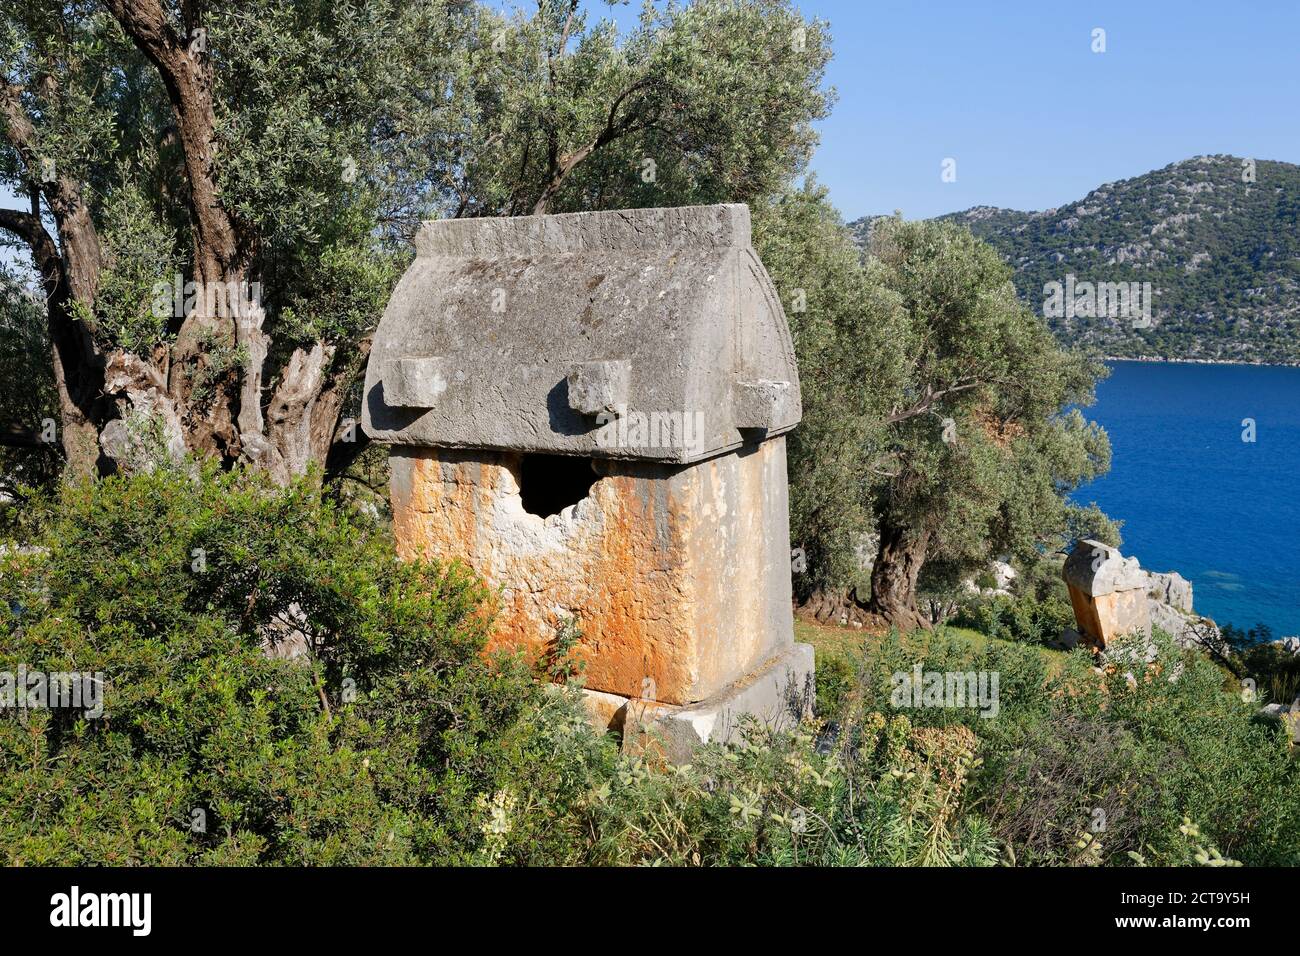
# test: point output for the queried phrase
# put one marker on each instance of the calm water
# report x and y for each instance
(1197, 499)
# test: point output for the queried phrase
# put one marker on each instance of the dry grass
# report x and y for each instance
(835, 641)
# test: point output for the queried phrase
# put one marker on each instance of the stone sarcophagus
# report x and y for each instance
(588, 409)
(1108, 593)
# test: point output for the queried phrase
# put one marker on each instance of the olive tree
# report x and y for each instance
(984, 438)
(218, 196)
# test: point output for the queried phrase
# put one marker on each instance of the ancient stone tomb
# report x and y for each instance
(588, 409)
(1108, 593)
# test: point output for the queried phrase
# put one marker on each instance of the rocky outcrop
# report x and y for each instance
(1003, 574)
(1170, 588)
(1112, 596)
(1169, 603)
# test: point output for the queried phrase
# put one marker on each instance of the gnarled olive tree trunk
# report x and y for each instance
(192, 400)
(894, 576)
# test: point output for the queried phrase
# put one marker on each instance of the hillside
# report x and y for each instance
(1222, 257)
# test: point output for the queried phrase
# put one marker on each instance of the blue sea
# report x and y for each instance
(1198, 499)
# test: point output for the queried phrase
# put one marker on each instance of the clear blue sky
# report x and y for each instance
(1033, 117)
(1012, 90)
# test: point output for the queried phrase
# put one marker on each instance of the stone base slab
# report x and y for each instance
(778, 695)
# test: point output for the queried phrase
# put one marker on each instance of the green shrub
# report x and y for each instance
(1026, 619)
(1088, 767)
(370, 747)
(389, 738)
(1274, 669)
(836, 676)
(1216, 760)
(882, 793)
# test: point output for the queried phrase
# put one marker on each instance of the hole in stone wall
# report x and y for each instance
(550, 483)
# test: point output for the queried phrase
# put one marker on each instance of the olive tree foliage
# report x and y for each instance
(985, 438)
(203, 185)
(848, 334)
(941, 423)
(705, 102)
(217, 197)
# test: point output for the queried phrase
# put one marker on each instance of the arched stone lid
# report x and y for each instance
(646, 333)
(1097, 569)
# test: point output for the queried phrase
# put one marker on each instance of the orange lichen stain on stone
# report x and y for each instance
(1087, 617)
(641, 628)
(1104, 618)
(604, 567)
(434, 508)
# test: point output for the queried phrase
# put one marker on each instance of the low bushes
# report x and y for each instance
(281, 690)
(370, 747)
(1081, 766)
(1027, 619)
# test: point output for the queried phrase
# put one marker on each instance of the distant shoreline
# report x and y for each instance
(1196, 361)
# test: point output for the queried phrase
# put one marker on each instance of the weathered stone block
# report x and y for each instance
(605, 711)
(765, 404)
(1107, 592)
(588, 410)
(414, 382)
(512, 306)
(776, 696)
(596, 387)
